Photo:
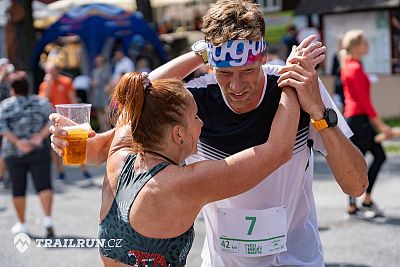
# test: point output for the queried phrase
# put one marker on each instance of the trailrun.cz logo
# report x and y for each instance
(22, 242)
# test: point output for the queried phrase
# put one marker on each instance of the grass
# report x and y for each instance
(393, 149)
(393, 122)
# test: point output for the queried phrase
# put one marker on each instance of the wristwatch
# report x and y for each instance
(199, 48)
(330, 119)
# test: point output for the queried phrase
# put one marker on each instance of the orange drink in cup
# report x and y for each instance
(77, 128)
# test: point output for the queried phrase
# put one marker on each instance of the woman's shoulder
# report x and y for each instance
(117, 160)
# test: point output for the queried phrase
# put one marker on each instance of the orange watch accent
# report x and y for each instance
(319, 125)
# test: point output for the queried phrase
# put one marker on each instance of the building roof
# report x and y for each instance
(337, 6)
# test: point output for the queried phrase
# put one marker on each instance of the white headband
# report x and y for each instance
(235, 53)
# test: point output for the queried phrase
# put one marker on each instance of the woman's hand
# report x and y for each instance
(310, 49)
(57, 143)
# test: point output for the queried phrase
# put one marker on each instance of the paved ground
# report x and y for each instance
(347, 242)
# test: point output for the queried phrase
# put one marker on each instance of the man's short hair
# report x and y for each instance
(233, 20)
(19, 82)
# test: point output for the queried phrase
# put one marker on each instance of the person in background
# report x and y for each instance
(338, 59)
(26, 148)
(274, 58)
(361, 116)
(6, 68)
(81, 84)
(58, 89)
(143, 64)
(289, 40)
(99, 96)
(123, 64)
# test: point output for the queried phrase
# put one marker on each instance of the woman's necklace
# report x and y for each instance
(161, 155)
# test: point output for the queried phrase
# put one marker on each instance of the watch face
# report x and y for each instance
(199, 46)
(332, 117)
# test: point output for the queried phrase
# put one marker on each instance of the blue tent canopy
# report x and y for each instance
(94, 23)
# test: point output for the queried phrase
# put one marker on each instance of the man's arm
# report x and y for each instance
(345, 160)
(177, 68)
(22, 145)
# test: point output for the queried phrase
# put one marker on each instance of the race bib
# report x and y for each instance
(252, 233)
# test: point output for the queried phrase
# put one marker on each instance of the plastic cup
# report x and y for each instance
(78, 127)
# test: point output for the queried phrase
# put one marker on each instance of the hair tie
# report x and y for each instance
(145, 80)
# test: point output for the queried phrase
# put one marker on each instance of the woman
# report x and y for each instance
(149, 201)
(361, 115)
(24, 126)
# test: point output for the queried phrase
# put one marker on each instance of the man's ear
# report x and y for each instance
(265, 59)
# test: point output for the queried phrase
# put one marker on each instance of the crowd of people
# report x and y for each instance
(177, 145)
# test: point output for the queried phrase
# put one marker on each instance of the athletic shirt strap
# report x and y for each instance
(131, 183)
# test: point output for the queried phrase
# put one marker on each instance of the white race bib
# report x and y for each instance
(252, 233)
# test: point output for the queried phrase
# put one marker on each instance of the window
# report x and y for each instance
(270, 5)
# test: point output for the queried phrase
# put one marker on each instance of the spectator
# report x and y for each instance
(100, 97)
(338, 59)
(274, 58)
(289, 40)
(81, 84)
(26, 148)
(361, 115)
(59, 90)
(123, 64)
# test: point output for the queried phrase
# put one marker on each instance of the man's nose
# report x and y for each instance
(236, 82)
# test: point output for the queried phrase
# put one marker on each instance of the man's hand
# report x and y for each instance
(57, 132)
(311, 49)
(301, 75)
(36, 139)
(24, 146)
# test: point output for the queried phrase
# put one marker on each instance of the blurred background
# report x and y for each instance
(153, 31)
(147, 33)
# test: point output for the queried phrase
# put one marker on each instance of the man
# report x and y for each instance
(56, 87)
(123, 64)
(274, 224)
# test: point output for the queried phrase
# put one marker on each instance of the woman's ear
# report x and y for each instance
(177, 134)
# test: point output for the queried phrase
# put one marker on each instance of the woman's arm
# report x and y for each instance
(244, 170)
(98, 145)
(185, 64)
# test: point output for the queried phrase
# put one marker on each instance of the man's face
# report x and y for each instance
(118, 55)
(242, 86)
(52, 70)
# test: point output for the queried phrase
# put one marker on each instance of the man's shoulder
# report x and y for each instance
(8, 102)
(64, 79)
